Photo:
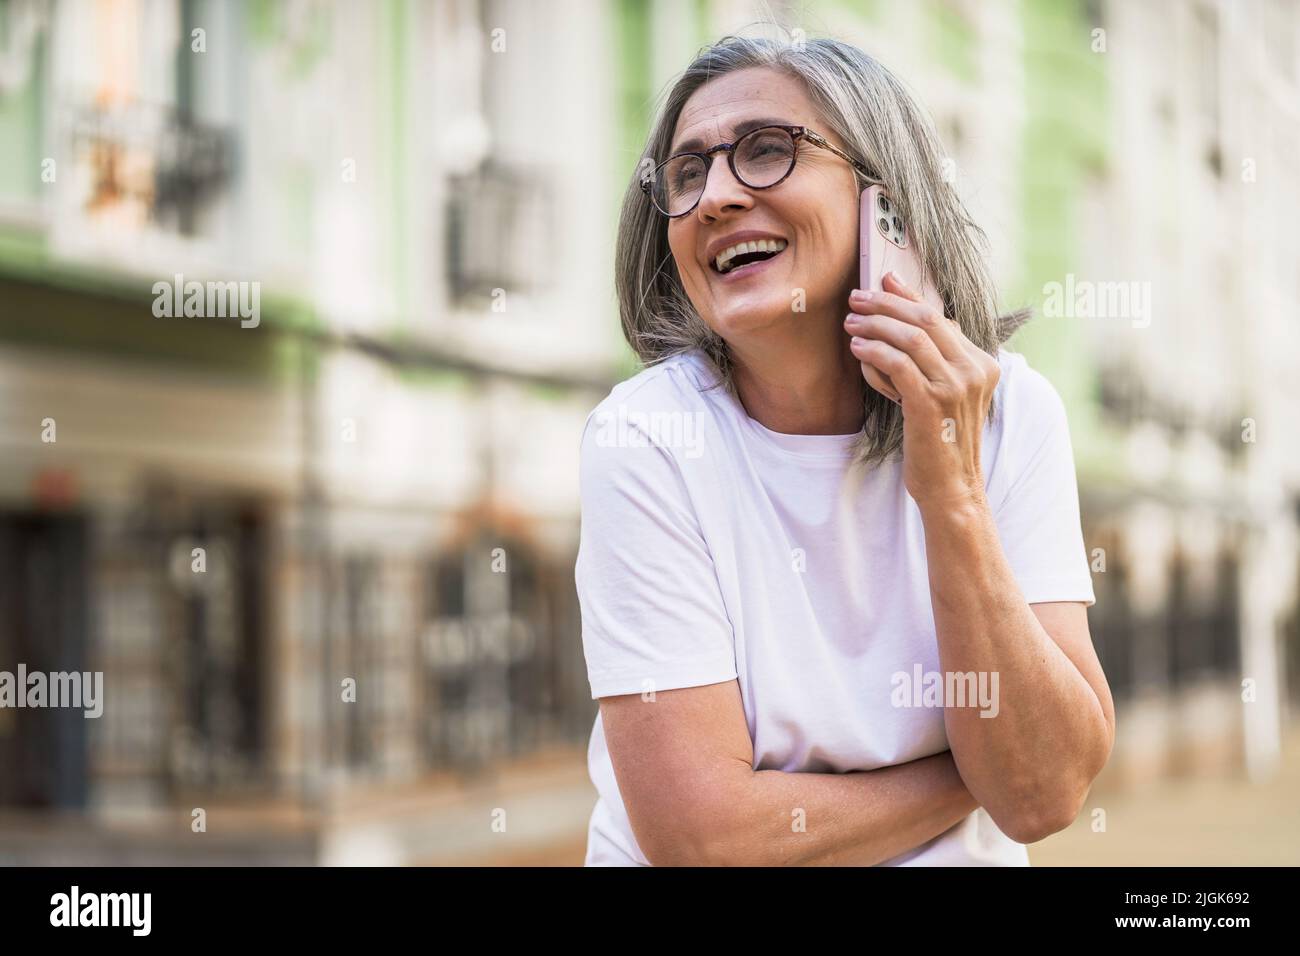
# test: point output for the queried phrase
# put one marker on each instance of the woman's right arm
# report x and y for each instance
(684, 765)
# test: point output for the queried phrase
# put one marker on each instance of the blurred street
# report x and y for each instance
(1205, 820)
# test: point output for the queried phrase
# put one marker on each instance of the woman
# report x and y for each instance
(832, 578)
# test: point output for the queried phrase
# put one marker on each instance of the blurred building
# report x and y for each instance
(374, 479)
(1156, 144)
(366, 481)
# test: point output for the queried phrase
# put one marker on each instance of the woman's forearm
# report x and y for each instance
(839, 819)
(1031, 765)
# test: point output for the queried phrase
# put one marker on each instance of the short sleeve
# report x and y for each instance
(652, 612)
(1038, 514)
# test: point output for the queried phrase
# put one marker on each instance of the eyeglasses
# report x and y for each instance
(760, 159)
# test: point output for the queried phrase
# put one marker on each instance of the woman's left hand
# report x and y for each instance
(945, 383)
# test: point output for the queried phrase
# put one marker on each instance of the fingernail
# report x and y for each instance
(861, 295)
(857, 343)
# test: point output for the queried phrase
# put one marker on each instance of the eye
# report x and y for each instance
(686, 177)
(765, 144)
(683, 176)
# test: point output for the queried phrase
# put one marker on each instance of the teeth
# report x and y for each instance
(724, 257)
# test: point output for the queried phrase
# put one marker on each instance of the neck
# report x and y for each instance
(800, 380)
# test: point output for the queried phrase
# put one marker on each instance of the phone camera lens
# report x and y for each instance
(898, 224)
(884, 204)
(884, 225)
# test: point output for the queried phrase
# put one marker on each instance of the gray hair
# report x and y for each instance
(878, 119)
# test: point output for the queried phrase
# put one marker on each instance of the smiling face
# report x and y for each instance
(811, 217)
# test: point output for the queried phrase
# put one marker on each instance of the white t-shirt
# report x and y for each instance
(714, 549)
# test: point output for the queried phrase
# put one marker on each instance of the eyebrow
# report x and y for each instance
(694, 144)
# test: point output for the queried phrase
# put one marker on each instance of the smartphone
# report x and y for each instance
(884, 246)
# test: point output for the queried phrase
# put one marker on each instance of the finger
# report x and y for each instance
(947, 334)
(904, 376)
(892, 282)
(908, 338)
(879, 381)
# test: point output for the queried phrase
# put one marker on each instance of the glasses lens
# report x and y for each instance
(764, 156)
(678, 184)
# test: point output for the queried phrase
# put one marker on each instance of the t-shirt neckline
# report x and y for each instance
(830, 447)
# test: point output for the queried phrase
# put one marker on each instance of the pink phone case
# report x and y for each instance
(884, 246)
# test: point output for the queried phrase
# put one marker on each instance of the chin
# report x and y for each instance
(751, 315)
(755, 308)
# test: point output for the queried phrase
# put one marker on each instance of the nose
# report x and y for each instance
(723, 193)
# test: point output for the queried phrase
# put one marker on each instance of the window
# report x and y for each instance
(498, 236)
(501, 660)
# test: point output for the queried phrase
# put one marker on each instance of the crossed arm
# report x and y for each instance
(684, 762)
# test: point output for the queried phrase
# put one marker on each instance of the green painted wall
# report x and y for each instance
(394, 148)
(635, 102)
(1064, 145)
(952, 41)
(22, 131)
